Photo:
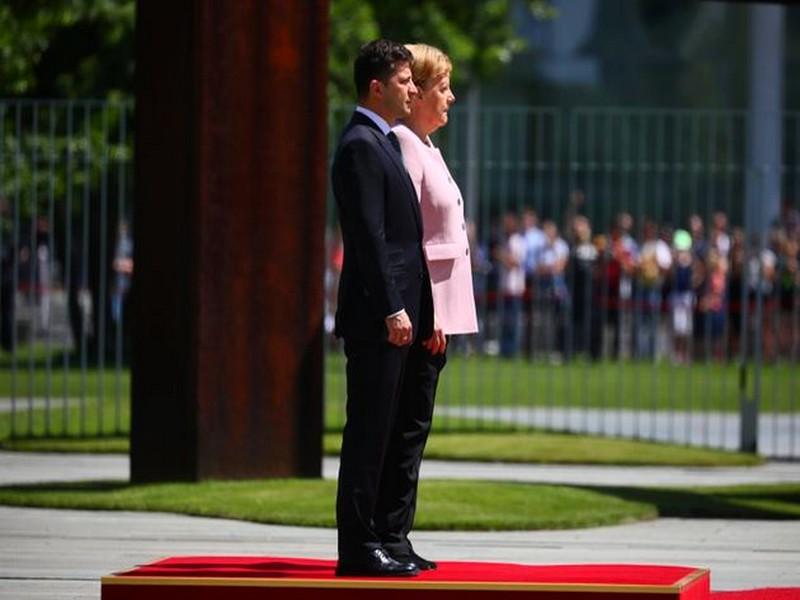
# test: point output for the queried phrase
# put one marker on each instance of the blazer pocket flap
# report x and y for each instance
(444, 251)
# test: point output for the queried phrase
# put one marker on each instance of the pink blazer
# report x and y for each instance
(444, 234)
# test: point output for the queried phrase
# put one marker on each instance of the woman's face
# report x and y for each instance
(433, 103)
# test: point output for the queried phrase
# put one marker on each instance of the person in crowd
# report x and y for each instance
(384, 305)
(35, 273)
(625, 224)
(682, 296)
(481, 264)
(510, 258)
(447, 254)
(713, 303)
(333, 271)
(655, 260)
(788, 289)
(552, 286)
(584, 281)
(718, 237)
(627, 344)
(576, 205)
(698, 233)
(123, 270)
(759, 278)
(534, 238)
(534, 241)
(619, 267)
(789, 220)
(737, 303)
(700, 248)
(44, 271)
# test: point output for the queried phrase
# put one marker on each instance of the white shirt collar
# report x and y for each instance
(376, 118)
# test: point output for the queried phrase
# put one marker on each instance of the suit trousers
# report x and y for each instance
(388, 421)
(397, 502)
(374, 373)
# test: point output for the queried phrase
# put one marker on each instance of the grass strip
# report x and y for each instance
(70, 445)
(516, 447)
(443, 505)
(560, 448)
(468, 381)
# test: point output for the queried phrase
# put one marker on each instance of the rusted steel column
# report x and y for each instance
(231, 124)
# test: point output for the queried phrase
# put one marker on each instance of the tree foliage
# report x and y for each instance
(84, 48)
(77, 49)
(479, 36)
(66, 48)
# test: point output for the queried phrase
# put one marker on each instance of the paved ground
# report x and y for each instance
(62, 554)
(23, 467)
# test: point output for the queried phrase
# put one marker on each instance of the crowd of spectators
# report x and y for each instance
(642, 290)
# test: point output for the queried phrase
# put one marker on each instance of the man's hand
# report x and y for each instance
(400, 330)
(437, 343)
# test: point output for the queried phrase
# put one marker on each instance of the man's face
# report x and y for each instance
(398, 92)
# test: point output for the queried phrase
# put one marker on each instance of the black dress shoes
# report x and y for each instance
(423, 564)
(375, 563)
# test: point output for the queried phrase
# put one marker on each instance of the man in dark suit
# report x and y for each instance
(384, 303)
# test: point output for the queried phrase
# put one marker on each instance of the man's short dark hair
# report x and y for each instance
(379, 60)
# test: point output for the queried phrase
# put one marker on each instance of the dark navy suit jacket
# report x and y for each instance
(384, 270)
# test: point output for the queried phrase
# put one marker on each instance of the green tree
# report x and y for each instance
(67, 48)
(478, 36)
(84, 48)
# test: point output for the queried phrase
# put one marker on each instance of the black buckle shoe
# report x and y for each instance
(375, 563)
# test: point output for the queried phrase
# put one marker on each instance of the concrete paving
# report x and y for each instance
(63, 554)
(24, 467)
(32, 467)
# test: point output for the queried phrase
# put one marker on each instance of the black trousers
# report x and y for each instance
(390, 395)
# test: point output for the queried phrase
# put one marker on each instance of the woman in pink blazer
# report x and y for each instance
(447, 256)
(445, 230)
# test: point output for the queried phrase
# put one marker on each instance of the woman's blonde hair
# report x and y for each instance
(428, 64)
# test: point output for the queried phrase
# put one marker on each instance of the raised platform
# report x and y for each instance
(279, 578)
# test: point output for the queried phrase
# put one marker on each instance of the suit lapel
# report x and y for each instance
(396, 160)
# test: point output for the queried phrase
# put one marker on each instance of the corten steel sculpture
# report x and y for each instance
(229, 239)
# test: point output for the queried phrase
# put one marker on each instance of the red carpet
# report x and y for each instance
(760, 594)
(276, 578)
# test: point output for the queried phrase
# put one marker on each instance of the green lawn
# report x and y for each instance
(74, 417)
(69, 445)
(555, 448)
(40, 372)
(495, 382)
(462, 505)
(527, 447)
(83, 401)
(93, 402)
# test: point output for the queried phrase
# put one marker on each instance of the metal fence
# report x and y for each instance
(65, 181)
(705, 354)
(597, 341)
